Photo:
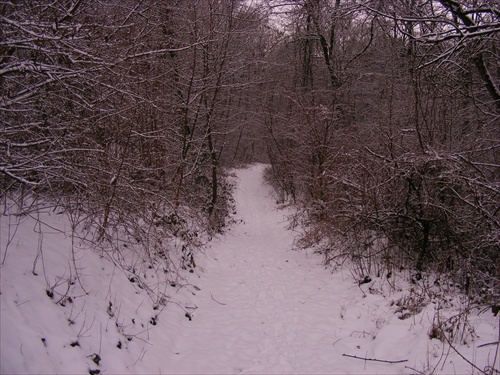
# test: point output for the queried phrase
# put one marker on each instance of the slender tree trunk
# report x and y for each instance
(479, 61)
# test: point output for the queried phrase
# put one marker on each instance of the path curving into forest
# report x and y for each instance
(263, 307)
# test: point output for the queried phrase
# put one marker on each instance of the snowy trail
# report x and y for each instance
(257, 307)
(263, 307)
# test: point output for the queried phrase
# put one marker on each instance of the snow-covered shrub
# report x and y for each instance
(452, 325)
(90, 133)
(434, 212)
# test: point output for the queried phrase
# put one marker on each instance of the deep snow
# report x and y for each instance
(254, 305)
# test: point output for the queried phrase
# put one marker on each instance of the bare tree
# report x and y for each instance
(114, 112)
(385, 167)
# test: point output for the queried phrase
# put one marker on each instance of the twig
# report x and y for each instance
(100, 338)
(139, 305)
(141, 356)
(411, 368)
(10, 238)
(462, 356)
(374, 359)
(489, 343)
(220, 303)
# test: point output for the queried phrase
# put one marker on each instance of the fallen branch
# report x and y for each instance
(375, 359)
(220, 303)
(416, 371)
(462, 356)
(490, 343)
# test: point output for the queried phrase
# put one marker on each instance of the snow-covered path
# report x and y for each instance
(265, 308)
(255, 306)
(259, 310)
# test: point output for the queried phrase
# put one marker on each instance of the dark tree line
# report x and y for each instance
(386, 132)
(118, 113)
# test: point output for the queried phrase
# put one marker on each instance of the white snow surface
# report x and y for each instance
(253, 305)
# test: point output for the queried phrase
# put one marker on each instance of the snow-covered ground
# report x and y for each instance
(253, 305)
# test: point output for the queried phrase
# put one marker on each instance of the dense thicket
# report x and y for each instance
(118, 113)
(386, 130)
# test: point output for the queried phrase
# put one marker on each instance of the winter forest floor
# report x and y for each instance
(254, 305)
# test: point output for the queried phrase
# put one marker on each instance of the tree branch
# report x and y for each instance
(374, 359)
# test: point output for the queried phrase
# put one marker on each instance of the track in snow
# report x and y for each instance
(257, 307)
(263, 308)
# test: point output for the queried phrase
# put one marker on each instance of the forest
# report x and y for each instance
(380, 121)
